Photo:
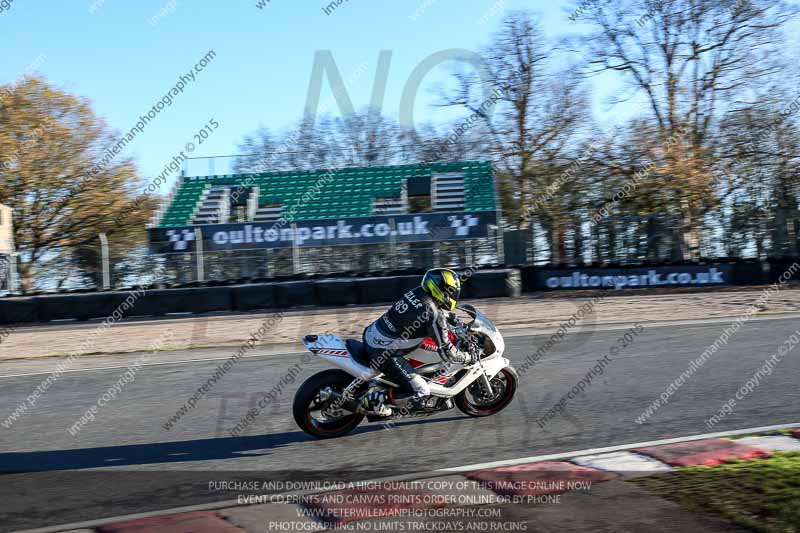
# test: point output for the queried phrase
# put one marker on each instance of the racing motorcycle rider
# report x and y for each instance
(422, 312)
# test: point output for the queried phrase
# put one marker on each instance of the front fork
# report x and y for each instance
(485, 382)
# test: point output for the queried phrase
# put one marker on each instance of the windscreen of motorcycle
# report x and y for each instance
(481, 325)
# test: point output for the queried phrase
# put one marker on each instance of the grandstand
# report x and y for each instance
(342, 193)
(332, 220)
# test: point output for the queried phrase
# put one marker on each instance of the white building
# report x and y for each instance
(7, 270)
(6, 230)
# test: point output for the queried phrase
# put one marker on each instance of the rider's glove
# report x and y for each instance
(459, 353)
(458, 356)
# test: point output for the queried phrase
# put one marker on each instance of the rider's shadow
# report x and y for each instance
(144, 454)
(171, 452)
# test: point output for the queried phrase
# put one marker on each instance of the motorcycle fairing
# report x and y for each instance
(332, 348)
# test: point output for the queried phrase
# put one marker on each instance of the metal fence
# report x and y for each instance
(102, 269)
(653, 238)
(627, 240)
(269, 263)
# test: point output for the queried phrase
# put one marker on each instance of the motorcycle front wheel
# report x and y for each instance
(475, 401)
(312, 406)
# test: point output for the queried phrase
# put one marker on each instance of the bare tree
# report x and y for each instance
(690, 63)
(764, 160)
(535, 118)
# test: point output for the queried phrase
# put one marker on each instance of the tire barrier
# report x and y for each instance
(406, 283)
(341, 291)
(492, 284)
(336, 292)
(529, 278)
(253, 297)
(195, 301)
(751, 273)
(204, 300)
(294, 294)
(19, 310)
(80, 307)
(144, 304)
(59, 307)
(783, 267)
(377, 290)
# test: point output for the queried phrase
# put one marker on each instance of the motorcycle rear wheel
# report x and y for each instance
(472, 401)
(307, 400)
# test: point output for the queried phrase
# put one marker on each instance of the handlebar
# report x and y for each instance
(466, 342)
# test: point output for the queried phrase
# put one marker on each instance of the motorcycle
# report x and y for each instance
(327, 404)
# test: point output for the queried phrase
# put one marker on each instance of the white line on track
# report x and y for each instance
(510, 333)
(521, 332)
(181, 362)
(424, 475)
(610, 449)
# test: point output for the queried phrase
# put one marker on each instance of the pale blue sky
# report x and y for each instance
(124, 64)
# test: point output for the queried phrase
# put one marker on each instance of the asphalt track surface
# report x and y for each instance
(126, 462)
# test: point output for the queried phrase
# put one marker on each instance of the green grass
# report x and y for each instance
(763, 494)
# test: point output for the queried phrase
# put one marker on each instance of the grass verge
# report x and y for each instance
(763, 495)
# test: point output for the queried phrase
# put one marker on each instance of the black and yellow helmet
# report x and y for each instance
(443, 285)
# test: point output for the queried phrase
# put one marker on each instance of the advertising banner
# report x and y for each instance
(625, 278)
(421, 227)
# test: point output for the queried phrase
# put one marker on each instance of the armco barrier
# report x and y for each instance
(253, 297)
